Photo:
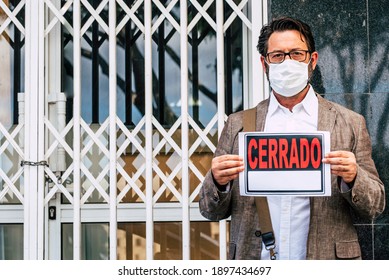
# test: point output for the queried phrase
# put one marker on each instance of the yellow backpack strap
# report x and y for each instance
(267, 233)
(249, 119)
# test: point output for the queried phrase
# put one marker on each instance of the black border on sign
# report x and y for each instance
(321, 191)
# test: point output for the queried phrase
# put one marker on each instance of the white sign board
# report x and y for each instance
(285, 164)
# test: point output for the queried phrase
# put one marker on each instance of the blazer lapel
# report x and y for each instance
(262, 109)
(326, 118)
(327, 115)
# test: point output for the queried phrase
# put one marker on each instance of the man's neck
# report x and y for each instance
(290, 102)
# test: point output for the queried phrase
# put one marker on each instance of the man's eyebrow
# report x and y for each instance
(291, 50)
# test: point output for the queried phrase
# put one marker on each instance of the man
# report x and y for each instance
(305, 227)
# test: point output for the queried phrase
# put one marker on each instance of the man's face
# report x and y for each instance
(287, 41)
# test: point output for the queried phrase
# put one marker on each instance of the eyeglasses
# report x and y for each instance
(279, 57)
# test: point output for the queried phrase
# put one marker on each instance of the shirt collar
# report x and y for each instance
(308, 103)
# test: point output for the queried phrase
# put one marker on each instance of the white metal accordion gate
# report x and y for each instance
(101, 128)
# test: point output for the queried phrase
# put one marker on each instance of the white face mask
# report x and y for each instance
(289, 77)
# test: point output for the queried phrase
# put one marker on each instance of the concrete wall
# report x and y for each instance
(352, 38)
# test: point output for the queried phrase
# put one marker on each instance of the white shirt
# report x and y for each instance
(290, 214)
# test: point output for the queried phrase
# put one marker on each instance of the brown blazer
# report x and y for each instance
(331, 232)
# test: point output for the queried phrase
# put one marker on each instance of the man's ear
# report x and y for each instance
(263, 64)
(314, 58)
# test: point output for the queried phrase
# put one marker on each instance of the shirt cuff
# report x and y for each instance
(223, 189)
(345, 187)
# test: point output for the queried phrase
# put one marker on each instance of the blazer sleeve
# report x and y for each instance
(367, 196)
(215, 204)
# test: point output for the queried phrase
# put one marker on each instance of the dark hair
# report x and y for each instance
(283, 24)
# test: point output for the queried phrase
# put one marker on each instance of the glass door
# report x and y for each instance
(12, 129)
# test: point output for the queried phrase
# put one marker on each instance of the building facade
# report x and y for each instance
(111, 110)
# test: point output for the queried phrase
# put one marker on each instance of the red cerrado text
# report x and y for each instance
(275, 153)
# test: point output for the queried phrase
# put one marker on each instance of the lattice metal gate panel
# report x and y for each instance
(131, 157)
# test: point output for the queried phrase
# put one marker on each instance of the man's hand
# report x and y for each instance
(343, 164)
(226, 168)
